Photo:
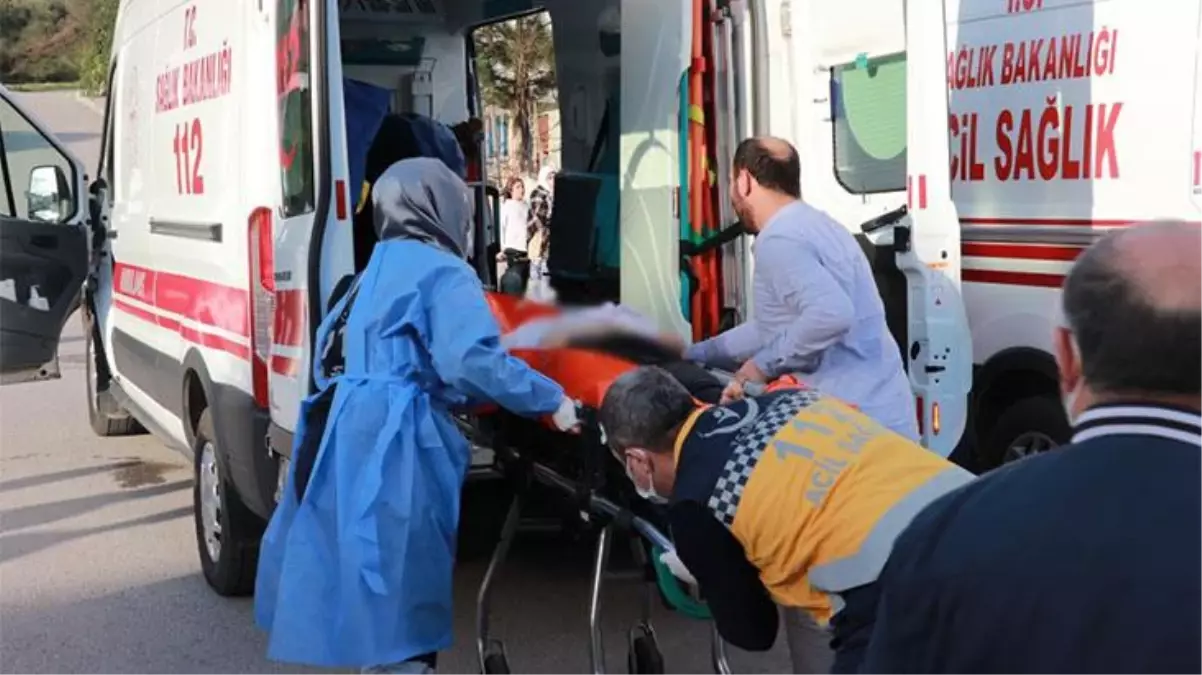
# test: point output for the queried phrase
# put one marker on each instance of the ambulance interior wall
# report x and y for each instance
(586, 78)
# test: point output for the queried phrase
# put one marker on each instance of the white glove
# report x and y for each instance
(678, 569)
(565, 418)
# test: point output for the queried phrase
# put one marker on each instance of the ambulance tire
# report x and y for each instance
(230, 563)
(1029, 427)
(105, 416)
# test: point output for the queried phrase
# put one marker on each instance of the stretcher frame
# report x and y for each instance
(511, 462)
(621, 521)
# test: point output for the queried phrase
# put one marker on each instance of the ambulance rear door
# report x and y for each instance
(927, 241)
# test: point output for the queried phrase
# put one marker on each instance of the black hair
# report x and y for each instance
(1128, 344)
(781, 174)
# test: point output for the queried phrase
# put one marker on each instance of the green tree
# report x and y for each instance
(56, 41)
(515, 61)
(38, 40)
(98, 43)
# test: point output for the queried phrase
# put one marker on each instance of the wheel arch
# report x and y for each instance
(196, 394)
(240, 429)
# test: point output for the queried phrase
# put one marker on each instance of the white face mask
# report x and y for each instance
(648, 492)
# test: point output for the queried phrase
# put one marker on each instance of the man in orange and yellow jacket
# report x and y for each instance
(788, 498)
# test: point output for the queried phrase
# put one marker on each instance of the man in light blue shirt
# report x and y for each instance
(817, 314)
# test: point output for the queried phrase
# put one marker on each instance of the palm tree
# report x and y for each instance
(515, 60)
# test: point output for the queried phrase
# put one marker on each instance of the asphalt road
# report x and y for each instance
(98, 562)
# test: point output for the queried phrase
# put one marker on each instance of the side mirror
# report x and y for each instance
(49, 194)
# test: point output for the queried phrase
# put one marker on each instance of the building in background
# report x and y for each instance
(503, 142)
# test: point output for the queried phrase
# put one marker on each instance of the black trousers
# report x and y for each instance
(851, 628)
(517, 272)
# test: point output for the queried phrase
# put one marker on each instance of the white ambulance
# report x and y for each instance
(1068, 119)
(222, 212)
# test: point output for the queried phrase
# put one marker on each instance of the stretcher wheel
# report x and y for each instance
(644, 656)
(496, 663)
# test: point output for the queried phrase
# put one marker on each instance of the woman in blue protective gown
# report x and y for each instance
(357, 571)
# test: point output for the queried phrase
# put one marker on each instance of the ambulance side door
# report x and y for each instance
(43, 244)
(927, 241)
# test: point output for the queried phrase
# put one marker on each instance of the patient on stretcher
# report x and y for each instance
(576, 325)
(608, 329)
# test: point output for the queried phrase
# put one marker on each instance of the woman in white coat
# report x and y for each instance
(514, 212)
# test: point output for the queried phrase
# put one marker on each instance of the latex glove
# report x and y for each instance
(673, 563)
(565, 418)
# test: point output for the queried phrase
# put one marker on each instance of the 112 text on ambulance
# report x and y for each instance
(198, 79)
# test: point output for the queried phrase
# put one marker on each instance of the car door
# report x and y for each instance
(927, 241)
(43, 244)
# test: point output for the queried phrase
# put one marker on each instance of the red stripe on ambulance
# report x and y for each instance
(188, 333)
(1016, 251)
(1021, 251)
(179, 300)
(1010, 278)
(922, 192)
(204, 302)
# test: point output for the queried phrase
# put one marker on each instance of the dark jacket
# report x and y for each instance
(1087, 559)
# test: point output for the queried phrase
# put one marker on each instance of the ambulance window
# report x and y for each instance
(295, 96)
(37, 180)
(868, 106)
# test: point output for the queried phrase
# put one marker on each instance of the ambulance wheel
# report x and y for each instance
(644, 656)
(227, 533)
(105, 416)
(496, 663)
(1029, 427)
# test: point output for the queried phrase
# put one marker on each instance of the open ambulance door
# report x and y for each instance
(43, 244)
(927, 241)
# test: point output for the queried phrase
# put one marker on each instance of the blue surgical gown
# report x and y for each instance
(358, 572)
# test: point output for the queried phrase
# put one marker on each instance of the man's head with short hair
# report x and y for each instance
(641, 414)
(766, 174)
(1133, 313)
